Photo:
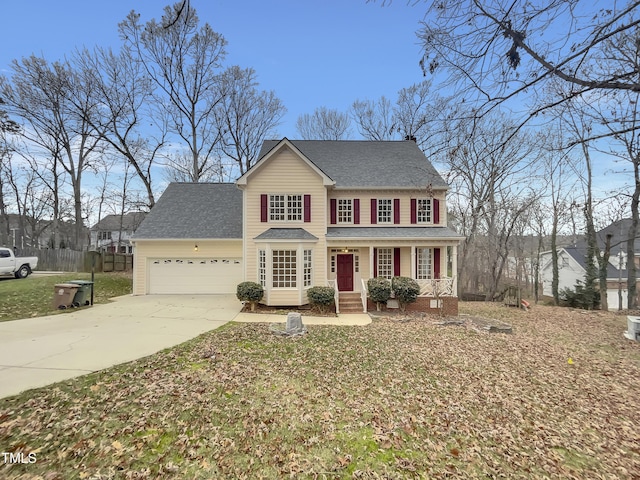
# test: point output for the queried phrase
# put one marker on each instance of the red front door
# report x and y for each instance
(345, 273)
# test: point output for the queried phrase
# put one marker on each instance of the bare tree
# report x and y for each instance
(416, 115)
(246, 116)
(129, 119)
(184, 61)
(622, 120)
(495, 52)
(324, 124)
(375, 119)
(7, 128)
(491, 191)
(53, 106)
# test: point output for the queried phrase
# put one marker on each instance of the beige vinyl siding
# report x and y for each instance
(405, 197)
(144, 250)
(285, 173)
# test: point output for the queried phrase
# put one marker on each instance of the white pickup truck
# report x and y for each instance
(19, 267)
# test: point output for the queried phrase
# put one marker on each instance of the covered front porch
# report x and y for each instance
(354, 255)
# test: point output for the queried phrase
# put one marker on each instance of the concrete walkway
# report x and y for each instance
(35, 352)
(348, 319)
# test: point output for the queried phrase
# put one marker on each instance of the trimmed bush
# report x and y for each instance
(379, 290)
(321, 297)
(406, 290)
(251, 292)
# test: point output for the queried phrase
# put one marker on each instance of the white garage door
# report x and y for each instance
(194, 275)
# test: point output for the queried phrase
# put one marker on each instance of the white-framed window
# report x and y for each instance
(424, 263)
(104, 235)
(294, 208)
(345, 210)
(423, 210)
(385, 210)
(262, 267)
(285, 208)
(385, 263)
(284, 268)
(307, 268)
(277, 208)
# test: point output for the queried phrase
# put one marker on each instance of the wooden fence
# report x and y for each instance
(64, 260)
(117, 262)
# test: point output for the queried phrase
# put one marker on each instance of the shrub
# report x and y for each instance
(406, 290)
(379, 290)
(321, 297)
(582, 296)
(251, 292)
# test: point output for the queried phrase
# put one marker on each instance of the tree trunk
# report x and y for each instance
(604, 301)
(555, 279)
(632, 300)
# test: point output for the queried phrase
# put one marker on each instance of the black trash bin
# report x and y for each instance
(83, 294)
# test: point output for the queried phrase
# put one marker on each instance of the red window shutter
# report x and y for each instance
(264, 207)
(307, 208)
(356, 211)
(375, 263)
(374, 211)
(436, 211)
(436, 263)
(333, 206)
(414, 211)
(396, 211)
(396, 262)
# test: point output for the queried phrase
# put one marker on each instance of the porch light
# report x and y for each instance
(195, 248)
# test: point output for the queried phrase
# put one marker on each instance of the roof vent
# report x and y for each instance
(633, 328)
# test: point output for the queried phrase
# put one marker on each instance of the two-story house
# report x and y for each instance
(113, 233)
(307, 213)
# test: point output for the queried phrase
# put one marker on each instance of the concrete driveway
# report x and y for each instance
(39, 351)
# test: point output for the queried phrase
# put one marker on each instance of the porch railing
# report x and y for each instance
(363, 295)
(442, 287)
(336, 294)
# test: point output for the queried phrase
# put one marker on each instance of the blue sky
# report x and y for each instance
(311, 53)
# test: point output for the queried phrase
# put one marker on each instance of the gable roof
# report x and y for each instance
(579, 254)
(367, 164)
(130, 221)
(193, 211)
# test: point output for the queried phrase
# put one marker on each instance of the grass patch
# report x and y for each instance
(33, 296)
(393, 400)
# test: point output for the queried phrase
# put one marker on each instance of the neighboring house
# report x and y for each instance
(572, 264)
(113, 233)
(308, 213)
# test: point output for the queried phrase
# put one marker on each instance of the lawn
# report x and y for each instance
(33, 296)
(394, 399)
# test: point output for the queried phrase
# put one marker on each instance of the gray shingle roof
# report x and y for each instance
(130, 221)
(363, 163)
(286, 234)
(195, 210)
(417, 233)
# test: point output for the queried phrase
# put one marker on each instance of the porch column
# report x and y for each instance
(413, 262)
(371, 270)
(454, 269)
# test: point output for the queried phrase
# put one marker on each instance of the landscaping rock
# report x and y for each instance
(294, 325)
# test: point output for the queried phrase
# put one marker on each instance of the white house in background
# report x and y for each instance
(113, 233)
(308, 213)
(572, 264)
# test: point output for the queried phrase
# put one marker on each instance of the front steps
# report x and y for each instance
(350, 303)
